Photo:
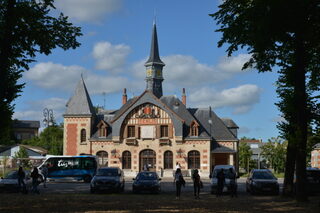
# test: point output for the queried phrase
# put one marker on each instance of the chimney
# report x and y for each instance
(184, 97)
(124, 96)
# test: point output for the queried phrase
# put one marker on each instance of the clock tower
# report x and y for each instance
(154, 66)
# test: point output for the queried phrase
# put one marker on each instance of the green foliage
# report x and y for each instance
(245, 154)
(274, 151)
(21, 156)
(26, 29)
(50, 139)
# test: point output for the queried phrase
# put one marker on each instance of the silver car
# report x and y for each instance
(10, 182)
(108, 179)
(227, 174)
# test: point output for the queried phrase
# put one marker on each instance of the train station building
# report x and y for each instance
(151, 130)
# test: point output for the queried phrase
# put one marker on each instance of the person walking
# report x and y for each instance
(221, 180)
(179, 181)
(196, 183)
(35, 176)
(21, 177)
(44, 172)
(233, 183)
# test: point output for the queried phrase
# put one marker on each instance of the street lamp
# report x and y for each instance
(48, 117)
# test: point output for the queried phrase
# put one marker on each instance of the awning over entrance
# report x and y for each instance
(223, 149)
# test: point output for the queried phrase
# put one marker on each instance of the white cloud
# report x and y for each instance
(98, 84)
(241, 98)
(110, 57)
(34, 109)
(88, 10)
(187, 71)
(243, 130)
(55, 76)
(279, 119)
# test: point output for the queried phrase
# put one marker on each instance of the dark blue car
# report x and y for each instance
(146, 182)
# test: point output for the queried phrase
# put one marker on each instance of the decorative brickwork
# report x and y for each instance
(71, 139)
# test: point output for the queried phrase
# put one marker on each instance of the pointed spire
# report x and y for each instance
(154, 57)
(80, 103)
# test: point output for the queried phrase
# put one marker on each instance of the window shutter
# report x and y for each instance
(158, 131)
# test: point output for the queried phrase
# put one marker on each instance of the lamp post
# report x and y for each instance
(48, 117)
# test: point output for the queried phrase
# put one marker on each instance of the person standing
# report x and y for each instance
(179, 181)
(233, 183)
(21, 177)
(35, 176)
(196, 183)
(44, 171)
(221, 179)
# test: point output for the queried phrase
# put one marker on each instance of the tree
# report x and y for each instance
(27, 28)
(50, 139)
(245, 154)
(21, 156)
(274, 151)
(280, 34)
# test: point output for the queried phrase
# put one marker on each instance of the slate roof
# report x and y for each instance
(80, 103)
(154, 57)
(317, 146)
(229, 123)
(36, 149)
(26, 124)
(219, 131)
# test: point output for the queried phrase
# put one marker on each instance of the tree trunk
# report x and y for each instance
(301, 120)
(289, 171)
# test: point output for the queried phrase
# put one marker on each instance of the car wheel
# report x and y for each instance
(87, 178)
(92, 190)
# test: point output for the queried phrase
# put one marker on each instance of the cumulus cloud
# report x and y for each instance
(110, 57)
(279, 119)
(99, 84)
(55, 76)
(34, 109)
(88, 10)
(186, 71)
(243, 130)
(241, 99)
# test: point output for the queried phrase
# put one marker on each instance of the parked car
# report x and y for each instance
(10, 182)
(227, 173)
(312, 180)
(146, 181)
(262, 181)
(108, 179)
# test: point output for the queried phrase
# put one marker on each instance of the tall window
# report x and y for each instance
(126, 160)
(103, 131)
(194, 160)
(102, 158)
(131, 131)
(194, 129)
(168, 160)
(83, 135)
(164, 131)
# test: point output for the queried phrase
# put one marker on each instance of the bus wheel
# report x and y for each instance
(87, 178)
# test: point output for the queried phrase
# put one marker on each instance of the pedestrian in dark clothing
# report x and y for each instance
(35, 183)
(21, 177)
(179, 181)
(233, 183)
(196, 183)
(221, 180)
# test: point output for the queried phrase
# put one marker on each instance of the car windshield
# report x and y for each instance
(12, 175)
(107, 172)
(262, 175)
(227, 173)
(147, 176)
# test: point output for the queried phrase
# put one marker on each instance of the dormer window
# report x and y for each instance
(164, 131)
(131, 131)
(194, 129)
(103, 129)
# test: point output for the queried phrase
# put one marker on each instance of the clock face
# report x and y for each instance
(149, 72)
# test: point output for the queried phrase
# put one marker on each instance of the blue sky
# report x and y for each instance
(115, 45)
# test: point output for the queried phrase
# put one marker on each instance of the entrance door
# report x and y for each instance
(221, 159)
(147, 160)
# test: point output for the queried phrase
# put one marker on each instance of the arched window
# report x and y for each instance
(194, 160)
(83, 135)
(126, 160)
(194, 129)
(168, 160)
(102, 158)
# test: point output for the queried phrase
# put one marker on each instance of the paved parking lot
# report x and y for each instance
(167, 185)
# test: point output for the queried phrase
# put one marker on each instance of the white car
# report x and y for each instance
(10, 181)
(214, 180)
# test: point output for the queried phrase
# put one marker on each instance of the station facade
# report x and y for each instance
(151, 130)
